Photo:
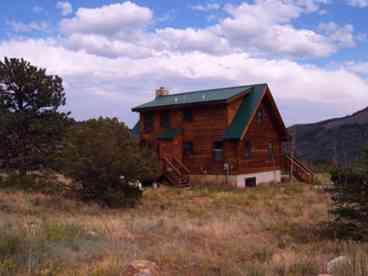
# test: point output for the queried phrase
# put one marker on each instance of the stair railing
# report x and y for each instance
(300, 170)
(176, 172)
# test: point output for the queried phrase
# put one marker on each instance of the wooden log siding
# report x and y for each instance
(208, 125)
(261, 135)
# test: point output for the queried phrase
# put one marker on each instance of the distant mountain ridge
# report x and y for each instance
(338, 140)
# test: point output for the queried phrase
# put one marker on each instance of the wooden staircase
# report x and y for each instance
(298, 169)
(176, 172)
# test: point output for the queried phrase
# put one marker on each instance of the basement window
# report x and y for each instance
(165, 119)
(188, 148)
(148, 121)
(218, 151)
(250, 182)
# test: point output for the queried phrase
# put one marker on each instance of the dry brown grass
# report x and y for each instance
(278, 230)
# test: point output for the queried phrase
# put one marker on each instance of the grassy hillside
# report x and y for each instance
(278, 230)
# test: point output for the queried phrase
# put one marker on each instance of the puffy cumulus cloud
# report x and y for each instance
(20, 27)
(189, 39)
(108, 20)
(107, 47)
(264, 26)
(142, 44)
(265, 12)
(358, 3)
(65, 7)
(98, 85)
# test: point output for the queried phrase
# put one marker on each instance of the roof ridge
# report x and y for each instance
(215, 89)
(199, 96)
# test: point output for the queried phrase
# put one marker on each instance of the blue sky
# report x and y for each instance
(112, 55)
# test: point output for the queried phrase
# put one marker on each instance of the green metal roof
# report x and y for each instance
(195, 97)
(169, 133)
(244, 114)
(254, 94)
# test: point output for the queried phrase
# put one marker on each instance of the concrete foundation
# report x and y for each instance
(238, 181)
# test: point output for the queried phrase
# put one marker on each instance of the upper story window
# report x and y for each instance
(188, 115)
(188, 148)
(247, 149)
(165, 119)
(148, 121)
(218, 150)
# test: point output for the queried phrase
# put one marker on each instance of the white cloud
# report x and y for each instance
(262, 27)
(342, 35)
(358, 67)
(121, 62)
(266, 25)
(65, 7)
(107, 47)
(311, 5)
(189, 39)
(124, 82)
(206, 7)
(20, 27)
(108, 20)
(358, 3)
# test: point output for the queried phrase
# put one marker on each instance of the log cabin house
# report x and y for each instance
(233, 136)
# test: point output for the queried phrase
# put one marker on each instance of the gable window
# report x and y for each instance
(247, 149)
(218, 150)
(188, 115)
(188, 148)
(165, 119)
(260, 116)
(148, 121)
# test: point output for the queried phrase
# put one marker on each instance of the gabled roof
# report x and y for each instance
(195, 97)
(252, 97)
(245, 112)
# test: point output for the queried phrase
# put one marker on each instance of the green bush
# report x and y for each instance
(350, 204)
(104, 159)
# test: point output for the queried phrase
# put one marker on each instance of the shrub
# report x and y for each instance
(350, 209)
(37, 182)
(104, 158)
